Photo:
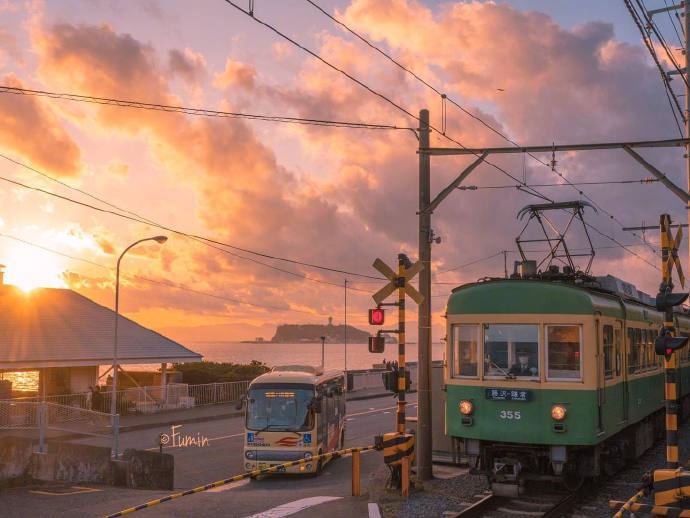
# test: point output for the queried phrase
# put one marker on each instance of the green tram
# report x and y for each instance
(554, 377)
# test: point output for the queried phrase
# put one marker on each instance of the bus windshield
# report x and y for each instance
(281, 409)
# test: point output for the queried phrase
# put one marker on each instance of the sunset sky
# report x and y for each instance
(540, 71)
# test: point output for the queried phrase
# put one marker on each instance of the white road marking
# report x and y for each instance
(294, 507)
(374, 510)
(228, 487)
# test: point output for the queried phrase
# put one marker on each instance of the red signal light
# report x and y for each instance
(669, 351)
(377, 317)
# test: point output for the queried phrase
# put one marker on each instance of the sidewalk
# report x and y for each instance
(129, 423)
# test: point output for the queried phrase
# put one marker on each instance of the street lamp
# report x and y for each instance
(113, 399)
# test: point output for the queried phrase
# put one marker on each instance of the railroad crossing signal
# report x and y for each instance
(397, 281)
(669, 245)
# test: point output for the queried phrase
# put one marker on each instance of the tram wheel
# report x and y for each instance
(572, 480)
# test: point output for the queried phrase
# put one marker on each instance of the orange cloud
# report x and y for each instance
(29, 128)
(236, 74)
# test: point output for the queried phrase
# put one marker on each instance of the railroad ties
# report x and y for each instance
(491, 506)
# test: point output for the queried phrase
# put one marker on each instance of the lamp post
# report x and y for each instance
(323, 353)
(113, 399)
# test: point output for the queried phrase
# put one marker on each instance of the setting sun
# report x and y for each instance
(28, 269)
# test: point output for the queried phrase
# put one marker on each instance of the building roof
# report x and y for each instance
(51, 327)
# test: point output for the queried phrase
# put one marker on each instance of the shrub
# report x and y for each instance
(215, 372)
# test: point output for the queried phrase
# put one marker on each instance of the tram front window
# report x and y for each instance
(280, 409)
(511, 350)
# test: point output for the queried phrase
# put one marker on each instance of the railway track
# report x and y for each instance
(537, 506)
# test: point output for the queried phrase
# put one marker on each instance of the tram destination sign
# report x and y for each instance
(508, 394)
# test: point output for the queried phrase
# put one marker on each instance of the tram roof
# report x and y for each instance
(530, 296)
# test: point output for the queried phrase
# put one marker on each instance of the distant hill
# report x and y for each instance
(294, 333)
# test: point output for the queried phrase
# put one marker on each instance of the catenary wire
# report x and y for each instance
(445, 97)
(195, 111)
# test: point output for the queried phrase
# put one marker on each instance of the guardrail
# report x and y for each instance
(273, 469)
(147, 400)
(45, 416)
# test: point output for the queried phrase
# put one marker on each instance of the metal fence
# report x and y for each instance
(45, 417)
(148, 400)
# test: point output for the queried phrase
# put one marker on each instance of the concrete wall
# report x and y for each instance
(81, 463)
(15, 459)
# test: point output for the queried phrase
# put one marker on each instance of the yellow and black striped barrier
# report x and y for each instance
(655, 510)
(671, 485)
(396, 446)
(236, 478)
(628, 505)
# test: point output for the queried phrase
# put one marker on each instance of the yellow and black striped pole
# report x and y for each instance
(670, 362)
(402, 378)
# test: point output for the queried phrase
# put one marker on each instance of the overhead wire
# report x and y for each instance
(675, 104)
(602, 182)
(177, 286)
(445, 97)
(196, 111)
(192, 235)
(369, 89)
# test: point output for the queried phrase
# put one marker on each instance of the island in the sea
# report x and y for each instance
(312, 333)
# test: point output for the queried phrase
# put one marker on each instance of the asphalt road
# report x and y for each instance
(222, 458)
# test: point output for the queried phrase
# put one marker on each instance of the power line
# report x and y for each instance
(445, 97)
(369, 89)
(480, 260)
(196, 111)
(155, 281)
(189, 235)
(602, 182)
(147, 221)
(662, 73)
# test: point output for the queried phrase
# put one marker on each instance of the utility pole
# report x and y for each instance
(424, 471)
(345, 284)
(686, 11)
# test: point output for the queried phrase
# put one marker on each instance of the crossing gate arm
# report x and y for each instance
(236, 478)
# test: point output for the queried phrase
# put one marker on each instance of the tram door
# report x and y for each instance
(600, 361)
(621, 371)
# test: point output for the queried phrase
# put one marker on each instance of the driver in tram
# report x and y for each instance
(523, 367)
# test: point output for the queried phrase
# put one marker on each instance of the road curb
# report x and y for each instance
(375, 396)
(186, 420)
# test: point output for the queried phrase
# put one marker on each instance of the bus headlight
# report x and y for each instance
(250, 454)
(466, 407)
(558, 412)
(307, 455)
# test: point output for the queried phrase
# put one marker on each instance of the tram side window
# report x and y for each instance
(511, 350)
(563, 346)
(633, 349)
(465, 350)
(608, 351)
(643, 349)
(617, 340)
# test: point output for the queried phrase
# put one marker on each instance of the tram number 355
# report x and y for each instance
(509, 414)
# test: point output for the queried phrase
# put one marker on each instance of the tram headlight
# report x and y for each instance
(466, 407)
(558, 412)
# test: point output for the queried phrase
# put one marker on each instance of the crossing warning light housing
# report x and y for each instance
(667, 300)
(377, 344)
(665, 344)
(377, 316)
